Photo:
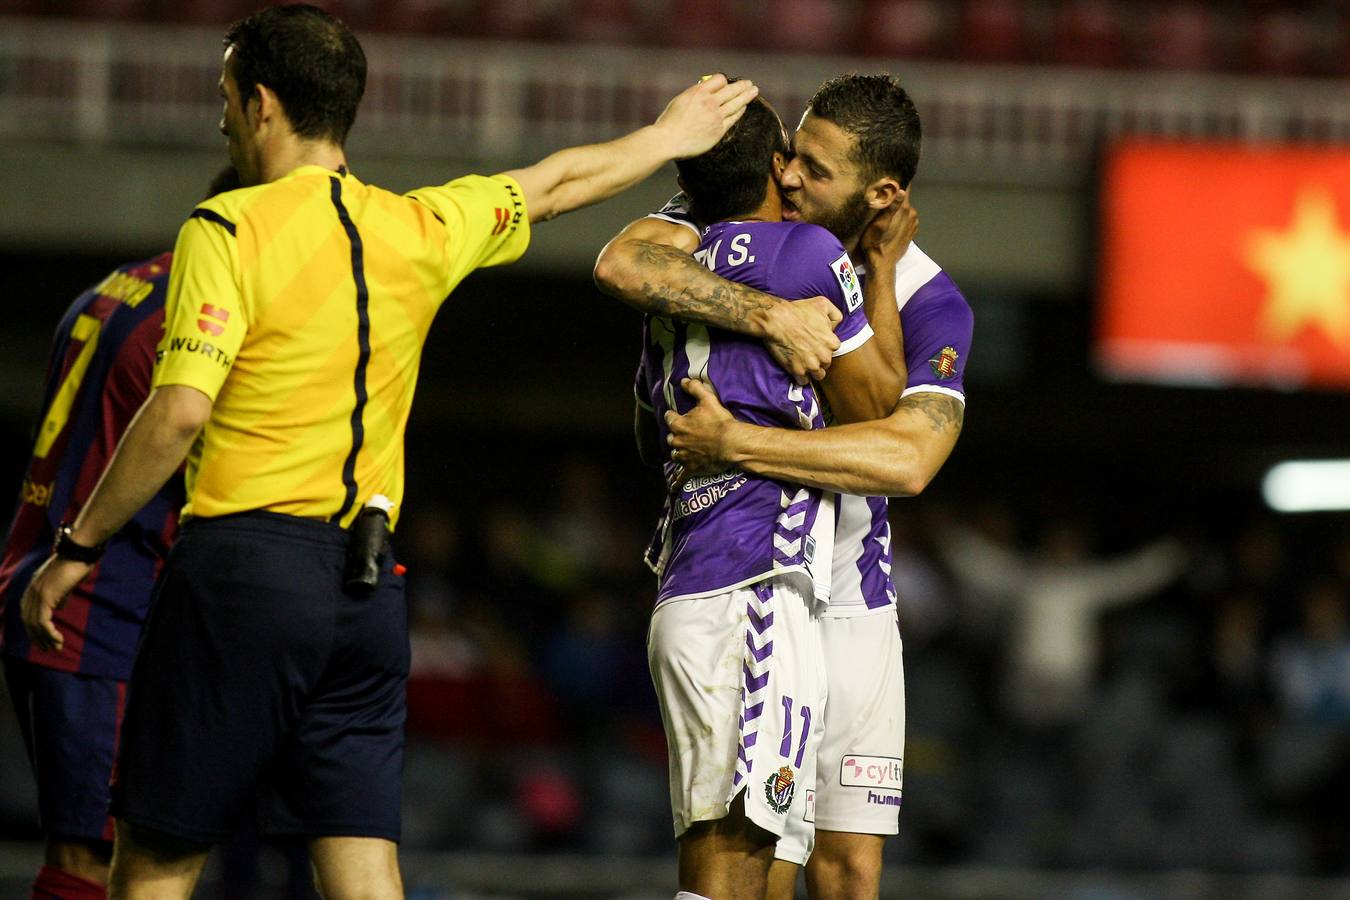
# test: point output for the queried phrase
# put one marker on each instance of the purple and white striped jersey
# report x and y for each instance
(733, 529)
(937, 323)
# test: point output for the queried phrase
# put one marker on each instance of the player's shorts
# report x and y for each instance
(739, 680)
(69, 724)
(861, 755)
(262, 686)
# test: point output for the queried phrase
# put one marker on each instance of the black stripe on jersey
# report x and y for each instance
(213, 216)
(363, 345)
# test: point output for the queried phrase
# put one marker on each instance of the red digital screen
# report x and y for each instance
(1225, 264)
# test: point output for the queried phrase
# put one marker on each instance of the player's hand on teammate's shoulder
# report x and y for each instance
(800, 336)
(890, 232)
(699, 115)
(698, 438)
(46, 593)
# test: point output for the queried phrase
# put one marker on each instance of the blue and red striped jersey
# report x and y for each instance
(99, 375)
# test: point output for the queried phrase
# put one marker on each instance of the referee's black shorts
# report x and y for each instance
(260, 685)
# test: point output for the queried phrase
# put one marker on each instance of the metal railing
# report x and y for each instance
(509, 103)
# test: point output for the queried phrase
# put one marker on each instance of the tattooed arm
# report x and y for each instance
(649, 267)
(896, 456)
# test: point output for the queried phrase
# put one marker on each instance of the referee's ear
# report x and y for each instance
(265, 110)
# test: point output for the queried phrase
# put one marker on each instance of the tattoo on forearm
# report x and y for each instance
(944, 413)
(705, 298)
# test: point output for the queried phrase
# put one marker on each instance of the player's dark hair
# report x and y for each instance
(309, 59)
(227, 179)
(732, 178)
(880, 115)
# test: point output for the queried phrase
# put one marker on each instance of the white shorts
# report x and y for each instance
(740, 681)
(861, 756)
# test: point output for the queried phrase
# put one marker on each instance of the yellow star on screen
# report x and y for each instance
(1306, 269)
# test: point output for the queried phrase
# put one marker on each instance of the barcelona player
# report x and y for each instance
(70, 700)
(271, 681)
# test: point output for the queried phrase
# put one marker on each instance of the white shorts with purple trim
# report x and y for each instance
(740, 681)
(862, 744)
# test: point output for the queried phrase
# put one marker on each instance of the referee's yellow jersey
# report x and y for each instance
(300, 307)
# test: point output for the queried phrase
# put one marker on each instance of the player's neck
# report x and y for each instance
(855, 248)
(292, 153)
(770, 210)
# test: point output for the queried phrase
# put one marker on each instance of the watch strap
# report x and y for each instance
(66, 547)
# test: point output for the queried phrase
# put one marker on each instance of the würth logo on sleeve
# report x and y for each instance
(503, 219)
(213, 319)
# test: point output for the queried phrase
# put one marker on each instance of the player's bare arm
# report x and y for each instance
(692, 123)
(152, 449)
(866, 384)
(649, 267)
(896, 456)
(883, 243)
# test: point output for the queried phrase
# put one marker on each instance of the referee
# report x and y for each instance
(297, 311)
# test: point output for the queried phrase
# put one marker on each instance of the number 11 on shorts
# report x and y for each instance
(785, 747)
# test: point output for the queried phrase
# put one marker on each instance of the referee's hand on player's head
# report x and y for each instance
(698, 116)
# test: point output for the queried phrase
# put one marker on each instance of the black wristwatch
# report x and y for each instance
(66, 547)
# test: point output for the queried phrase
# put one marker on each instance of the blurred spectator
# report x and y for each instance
(588, 662)
(1236, 655)
(1258, 557)
(1056, 596)
(1310, 667)
(551, 803)
(582, 539)
(1308, 755)
(511, 568)
(923, 598)
(982, 614)
(429, 543)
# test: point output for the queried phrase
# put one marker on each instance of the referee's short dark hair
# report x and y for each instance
(880, 115)
(309, 59)
(732, 178)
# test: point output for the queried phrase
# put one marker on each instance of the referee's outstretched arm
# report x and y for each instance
(692, 123)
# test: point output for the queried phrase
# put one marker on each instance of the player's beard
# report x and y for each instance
(847, 220)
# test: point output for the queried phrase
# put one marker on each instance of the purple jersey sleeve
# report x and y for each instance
(938, 325)
(812, 262)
